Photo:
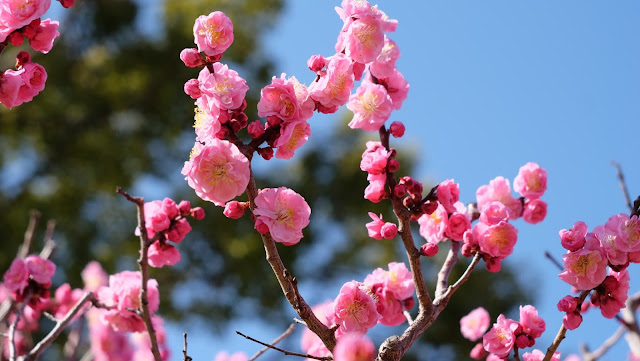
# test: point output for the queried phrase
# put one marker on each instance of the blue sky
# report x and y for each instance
(494, 85)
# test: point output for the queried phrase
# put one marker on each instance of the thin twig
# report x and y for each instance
(284, 335)
(562, 332)
(88, 356)
(29, 234)
(447, 266)
(606, 345)
(288, 353)
(297, 320)
(14, 324)
(553, 260)
(623, 185)
(465, 276)
(408, 316)
(185, 357)
(516, 354)
(144, 270)
(57, 329)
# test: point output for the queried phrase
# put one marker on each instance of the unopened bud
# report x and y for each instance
(393, 165)
(429, 249)
(399, 190)
(235, 209)
(22, 58)
(197, 213)
(16, 38)
(192, 88)
(255, 129)
(185, 208)
(316, 63)
(396, 129)
(389, 230)
(266, 153)
(191, 57)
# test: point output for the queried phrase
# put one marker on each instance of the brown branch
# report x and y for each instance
(606, 345)
(447, 266)
(623, 185)
(553, 260)
(284, 335)
(288, 353)
(562, 332)
(57, 329)
(144, 270)
(516, 355)
(29, 234)
(185, 357)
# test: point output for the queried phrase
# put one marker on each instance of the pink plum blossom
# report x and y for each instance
(46, 33)
(15, 14)
(374, 159)
(292, 136)
(334, 86)
(375, 191)
(531, 181)
(607, 240)
(109, 345)
(163, 254)
(65, 299)
(537, 355)
(532, 324)
(375, 226)
(284, 212)
(626, 231)
(354, 347)
(40, 270)
(497, 240)
(213, 33)
(400, 281)
(397, 88)
(94, 276)
(287, 99)
(207, 119)
(354, 309)
(500, 339)
(572, 320)
(535, 210)
(225, 87)
(191, 57)
(389, 307)
(616, 289)
(385, 65)
(586, 268)
(363, 39)
(448, 194)
(33, 81)
(499, 190)
(310, 343)
(218, 171)
(10, 83)
(459, 222)
(493, 213)
(142, 342)
(478, 352)
(475, 324)
(17, 276)
(371, 106)
(574, 238)
(433, 226)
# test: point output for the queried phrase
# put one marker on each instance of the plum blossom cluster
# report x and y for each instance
(598, 261)
(20, 20)
(30, 279)
(281, 212)
(166, 222)
(493, 236)
(381, 299)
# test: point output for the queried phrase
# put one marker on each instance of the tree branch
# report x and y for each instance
(288, 353)
(623, 185)
(447, 266)
(34, 217)
(606, 345)
(185, 357)
(284, 335)
(144, 270)
(562, 332)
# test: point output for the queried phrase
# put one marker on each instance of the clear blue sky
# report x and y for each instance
(496, 84)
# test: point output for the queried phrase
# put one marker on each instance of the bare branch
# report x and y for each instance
(408, 317)
(185, 357)
(447, 266)
(14, 324)
(284, 335)
(29, 234)
(553, 260)
(288, 353)
(606, 345)
(623, 185)
(562, 332)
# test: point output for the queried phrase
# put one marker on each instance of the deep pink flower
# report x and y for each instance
(532, 324)
(534, 211)
(213, 33)
(218, 171)
(33, 80)
(65, 299)
(574, 238)
(107, 344)
(363, 39)
(46, 33)
(225, 87)
(374, 159)
(478, 352)
(192, 88)
(354, 347)
(191, 57)
(626, 231)
(397, 88)
(459, 222)
(389, 230)
(388, 306)
(375, 226)
(287, 99)
(615, 295)
(607, 240)
(499, 190)
(500, 339)
(496, 240)
(371, 107)
(15, 14)
(156, 220)
(17, 276)
(179, 229)
(375, 191)
(41, 270)
(162, 254)
(10, 83)
(475, 324)
(335, 84)
(285, 213)
(310, 343)
(292, 136)
(433, 226)
(448, 194)
(586, 268)
(567, 304)
(354, 309)
(531, 181)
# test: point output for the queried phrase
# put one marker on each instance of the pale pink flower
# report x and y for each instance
(207, 119)
(192, 88)
(607, 241)
(494, 212)
(500, 339)
(94, 276)
(123, 293)
(567, 304)
(142, 342)
(10, 83)
(535, 210)
(156, 220)
(162, 254)
(494, 357)
(17, 276)
(375, 191)
(179, 229)
(65, 299)
(574, 238)
(45, 35)
(497, 240)
(107, 344)
(374, 159)
(15, 14)
(363, 39)
(385, 64)
(388, 306)
(626, 230)
(586, 268)
(397, 88)
(354, 309)
(531, 181)
(478, 352)
(238, 356)
(448, 194)
(389, 230)
(225, 87)
(33, 80)
(398, 280)
(41, 270)
(213, 33)
(335, 85)
(433, 226)
(499, 190)
(285, 213)
(292, 136)
(572, 357)
(235, 209)
(475, 324)
(371, 106)
(285, 98)
(354, 347)
(532, 324)
(537, 355)
(218, 172)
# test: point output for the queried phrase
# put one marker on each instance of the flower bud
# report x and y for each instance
(192, 88)
(185, 208)
(22, 58)
(316, 63)
(396, 129)
(255, 129)
(408, 303)
(273, 120)
(389, 230)
(16, 38)
(571, 321)
(522, 341)
(67, 3)
(191, 57)
(429, 249)
(429, 207)
(393, 165)
(478, 352)
(234, 209)
(399, 190)
(260, 226)
(29, 32)
(567, 304)
(197, 213)
(266, 153)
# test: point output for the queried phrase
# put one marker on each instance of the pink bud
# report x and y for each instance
(534, 211)
(358, 69)
(522, 341)
(16, 38)
(29, 32)
(197, 213)
(266, 153)
(568, 304)
(255, 129)
(610, 284)
(191, 57)
(273, 120)
(408, 303)
(396, 129)
(67, 3)
(493, 264)
(316, 63)
(393, 165)
(178, 230)
(170, 208)
(571, 321)
(22, 58)
(185, 208)
(260, 226)
(389, 230)
(478, 352)
(429, 249)
(234, 209)
(399, 190)
(429, 207)
(192, 88)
